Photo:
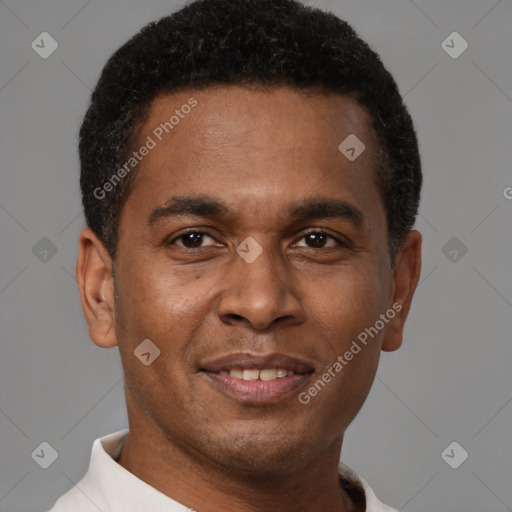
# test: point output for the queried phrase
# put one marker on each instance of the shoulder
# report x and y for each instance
(89, 495)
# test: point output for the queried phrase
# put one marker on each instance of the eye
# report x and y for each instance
(312, 240)
(319, 239)
(191, 240)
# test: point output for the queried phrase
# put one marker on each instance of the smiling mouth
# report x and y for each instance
(254, 374)
(255, 379)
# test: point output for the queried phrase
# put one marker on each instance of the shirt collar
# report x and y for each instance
(111, 487)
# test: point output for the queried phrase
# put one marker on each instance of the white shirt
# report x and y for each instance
(108, 487)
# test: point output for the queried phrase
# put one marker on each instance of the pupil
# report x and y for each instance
(193, 239)
(317, 239)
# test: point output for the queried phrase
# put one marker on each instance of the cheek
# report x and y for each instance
(350, 300)
(165, 304)
(153, 305)
(151, 295)
(350, 305)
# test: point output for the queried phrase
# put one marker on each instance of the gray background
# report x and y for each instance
(450, 381)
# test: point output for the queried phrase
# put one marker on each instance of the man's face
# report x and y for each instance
(269, 159)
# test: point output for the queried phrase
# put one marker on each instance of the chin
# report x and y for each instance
(260, 455)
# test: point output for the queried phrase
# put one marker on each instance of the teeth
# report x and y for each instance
(236, 372)
(268, 374)
(250, 374)
(255, 374)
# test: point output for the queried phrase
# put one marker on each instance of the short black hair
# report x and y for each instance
(243, 42)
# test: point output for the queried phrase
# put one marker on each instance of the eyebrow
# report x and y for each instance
(318, 208)
(200, 206)
(205, 206)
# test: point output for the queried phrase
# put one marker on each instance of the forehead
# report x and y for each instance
(253, 117)
(256, 145)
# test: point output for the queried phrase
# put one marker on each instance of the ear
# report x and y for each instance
(96, 286)
(405, 279)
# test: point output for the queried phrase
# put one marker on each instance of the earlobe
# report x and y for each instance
(405, 280)
(96, 287)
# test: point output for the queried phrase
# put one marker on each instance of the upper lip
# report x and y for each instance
(248, 361)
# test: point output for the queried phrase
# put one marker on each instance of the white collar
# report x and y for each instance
(108, 487)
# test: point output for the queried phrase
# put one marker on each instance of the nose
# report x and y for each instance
(259, 294)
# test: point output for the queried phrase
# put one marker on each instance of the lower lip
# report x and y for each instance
(258, 391)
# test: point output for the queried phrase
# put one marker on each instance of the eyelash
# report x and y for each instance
(340, 243)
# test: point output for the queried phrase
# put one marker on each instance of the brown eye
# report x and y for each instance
(319, 239)
(191, 240)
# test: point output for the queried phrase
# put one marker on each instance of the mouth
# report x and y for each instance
(254, 379)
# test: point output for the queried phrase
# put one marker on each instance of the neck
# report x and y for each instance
(201, 484)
